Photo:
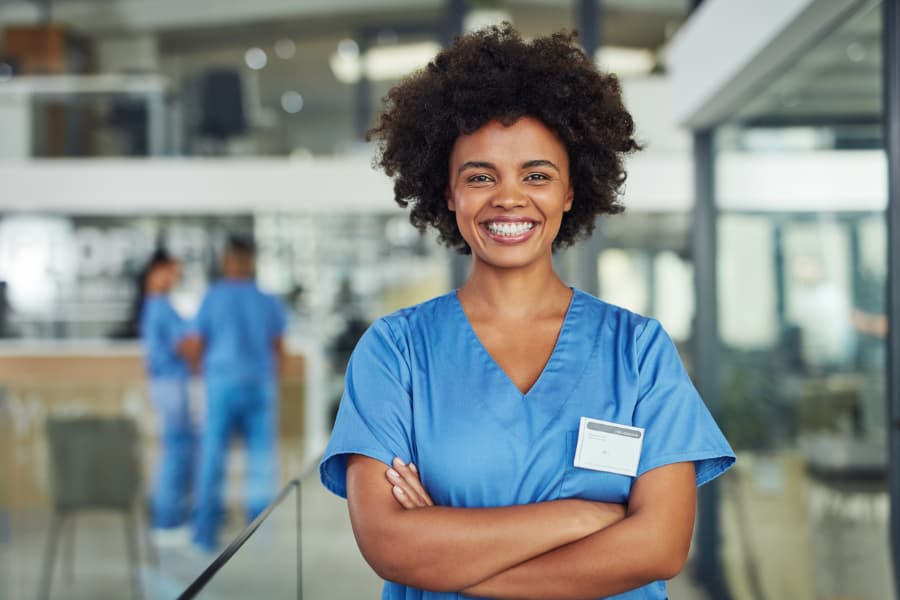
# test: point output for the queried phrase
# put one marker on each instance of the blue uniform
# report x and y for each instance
(239, 325)
(421, 386)
(162, 330)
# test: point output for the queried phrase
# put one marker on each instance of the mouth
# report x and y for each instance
(509, 229)
(506, 231)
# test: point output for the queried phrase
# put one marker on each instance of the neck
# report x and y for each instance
(514, 293)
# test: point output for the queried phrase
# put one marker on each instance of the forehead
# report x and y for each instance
(525, 139)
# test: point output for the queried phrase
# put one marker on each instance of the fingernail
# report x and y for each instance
(393, 474)
(399, 461)
(398, 490)
(413, 468)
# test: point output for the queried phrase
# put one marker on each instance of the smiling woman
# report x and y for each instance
(517, 438)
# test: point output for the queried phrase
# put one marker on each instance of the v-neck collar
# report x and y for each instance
(550, 367)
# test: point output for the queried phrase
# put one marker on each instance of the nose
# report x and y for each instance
(509, 196)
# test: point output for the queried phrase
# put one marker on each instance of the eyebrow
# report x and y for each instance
(480, 164)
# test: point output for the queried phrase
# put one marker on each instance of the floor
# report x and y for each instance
(93, 565)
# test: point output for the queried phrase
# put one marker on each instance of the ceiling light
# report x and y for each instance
(285, 48)
(625, 62)
(292, 102)
(256, 58)
(348, 48)
(383, 63)
(480, 18)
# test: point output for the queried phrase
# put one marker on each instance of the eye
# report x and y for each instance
(537, 177)
(479, 178)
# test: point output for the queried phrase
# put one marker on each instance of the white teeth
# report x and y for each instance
(509, 229)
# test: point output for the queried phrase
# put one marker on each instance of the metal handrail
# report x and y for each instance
(223, 557)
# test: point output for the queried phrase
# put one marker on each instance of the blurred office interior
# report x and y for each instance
(757, 230)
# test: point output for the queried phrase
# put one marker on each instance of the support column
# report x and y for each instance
(453, 26)
(590, 32)
(891, 108)
(707, 564)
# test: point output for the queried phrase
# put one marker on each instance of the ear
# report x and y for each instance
(451, 203)
(570, 196)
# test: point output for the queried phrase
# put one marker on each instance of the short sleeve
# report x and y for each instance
(679, 427)
(375, 414)
(279, 317)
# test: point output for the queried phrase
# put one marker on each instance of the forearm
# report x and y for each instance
(622, 557)
(649, 544)
(448, 549)
(441, 548)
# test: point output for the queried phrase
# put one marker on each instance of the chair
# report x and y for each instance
(94, 464)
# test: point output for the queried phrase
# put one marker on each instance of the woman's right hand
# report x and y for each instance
(406, 485)
(409, 493)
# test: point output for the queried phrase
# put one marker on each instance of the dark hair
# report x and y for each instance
(242, 244)
(160, 256)
(493, 74)
(131, 327)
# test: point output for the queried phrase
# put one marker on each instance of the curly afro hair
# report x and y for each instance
(493, 74)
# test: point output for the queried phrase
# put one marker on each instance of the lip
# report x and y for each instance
(508, 240)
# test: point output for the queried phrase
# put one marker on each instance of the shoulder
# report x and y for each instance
(405, 329)
(216, 288)
(156, 307)
(418, 318)
(619, 320)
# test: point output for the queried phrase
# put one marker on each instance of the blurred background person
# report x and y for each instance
(169, 355)
(241, 331)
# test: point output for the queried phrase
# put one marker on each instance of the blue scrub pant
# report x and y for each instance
(170, 499)
(247, 408)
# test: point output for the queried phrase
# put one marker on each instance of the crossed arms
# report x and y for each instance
(562, 549)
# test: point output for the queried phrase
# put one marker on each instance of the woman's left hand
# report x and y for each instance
(406, 486)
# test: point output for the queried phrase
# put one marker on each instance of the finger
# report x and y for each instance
(411, 477)
(403, 485)
(419, 486)
(402, 497)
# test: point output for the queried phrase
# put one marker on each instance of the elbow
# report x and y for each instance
(671, 567)
(671, 561)
(392, 559)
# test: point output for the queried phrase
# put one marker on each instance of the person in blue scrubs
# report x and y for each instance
(167, 347)
(241, 332)
(517, 437)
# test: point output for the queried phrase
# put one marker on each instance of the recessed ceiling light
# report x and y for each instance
(292, 102)
(348, 48)
(256, 58)
(285, 48)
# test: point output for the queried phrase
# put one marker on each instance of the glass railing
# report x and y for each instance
(269, 548)
(301, 546)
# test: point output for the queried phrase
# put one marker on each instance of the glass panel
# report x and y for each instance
(801, 289)
(644, 268)
(266, 565)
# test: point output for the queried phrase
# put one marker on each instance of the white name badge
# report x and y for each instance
(610, 447)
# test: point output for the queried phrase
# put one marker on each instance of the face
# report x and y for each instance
(163, 277)
(509, 187)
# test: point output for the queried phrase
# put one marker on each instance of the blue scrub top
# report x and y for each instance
(239, 324)
(162, 329)
(421, 386)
